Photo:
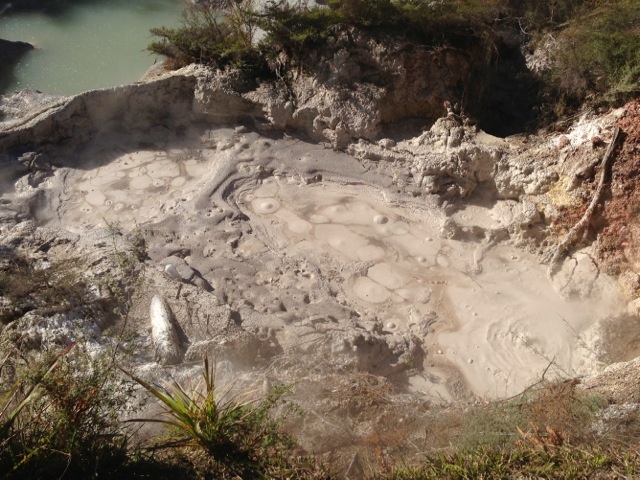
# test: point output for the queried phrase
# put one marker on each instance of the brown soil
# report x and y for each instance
(616, 224)
(619, 245)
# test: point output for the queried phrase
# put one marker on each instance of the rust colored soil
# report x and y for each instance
(619, 239)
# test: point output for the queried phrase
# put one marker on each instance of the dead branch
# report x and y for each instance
(578, 230)
(533, 385)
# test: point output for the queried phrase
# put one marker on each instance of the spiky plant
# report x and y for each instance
(205, 416)
(235, 431)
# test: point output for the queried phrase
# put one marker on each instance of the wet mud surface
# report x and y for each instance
(311, 254)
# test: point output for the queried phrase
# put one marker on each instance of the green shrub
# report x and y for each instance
(536, 15)
(547, 432)
(597, 60)
(493, 426)
(294, 30)
(221, 35)
(434, 22)
(550, 407)
(600, 53)
(211, 37)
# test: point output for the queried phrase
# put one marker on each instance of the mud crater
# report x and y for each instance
(287, 249)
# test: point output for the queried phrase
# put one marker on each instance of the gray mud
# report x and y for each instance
(307, 253)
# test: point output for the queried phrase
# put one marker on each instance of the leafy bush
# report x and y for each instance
(296, 30)
(547, 432)
(551, 406)
(223, 34)
(220, 35)
(537, 15)
(597, 59)
(600, 53)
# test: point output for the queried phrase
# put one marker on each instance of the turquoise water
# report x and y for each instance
(89, 45)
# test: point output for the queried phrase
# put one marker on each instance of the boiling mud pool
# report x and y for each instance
(492, 315)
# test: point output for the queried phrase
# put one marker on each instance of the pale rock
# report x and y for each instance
(633, 308)
(163, 332)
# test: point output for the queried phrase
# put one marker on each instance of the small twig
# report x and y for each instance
(534, 385)
(339, 428)
(354, 461)
(578, 337)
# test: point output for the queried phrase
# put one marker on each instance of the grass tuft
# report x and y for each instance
(235, 431)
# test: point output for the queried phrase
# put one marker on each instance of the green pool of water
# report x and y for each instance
(90, 45)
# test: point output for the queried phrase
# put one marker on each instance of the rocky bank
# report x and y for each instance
(10, 54)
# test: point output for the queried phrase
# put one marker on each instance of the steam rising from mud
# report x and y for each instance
(498, 320)
(288, 234)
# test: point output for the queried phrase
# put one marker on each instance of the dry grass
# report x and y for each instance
(46, 288)
(553, 431)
